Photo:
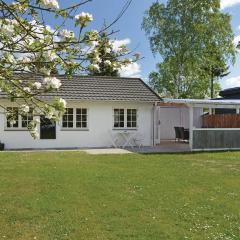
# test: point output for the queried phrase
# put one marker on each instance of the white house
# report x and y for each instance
(98, 108)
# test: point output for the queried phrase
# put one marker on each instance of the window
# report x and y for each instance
(125, 118)
(67, 121)
(75, 118)
(12, 122)
(131, 118)
(119, 118)
(81, 118)
(27, 118)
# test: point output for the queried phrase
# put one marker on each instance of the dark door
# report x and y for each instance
(47, 128)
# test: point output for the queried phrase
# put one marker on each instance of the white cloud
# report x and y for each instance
(231, 82)
(236, 40)
(131, 70)
(117, 43)
(229, 3)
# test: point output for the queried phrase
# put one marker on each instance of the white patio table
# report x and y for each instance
(127, 137)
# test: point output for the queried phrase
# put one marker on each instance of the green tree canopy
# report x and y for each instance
(194, 39)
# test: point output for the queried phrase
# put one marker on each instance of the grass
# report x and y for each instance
(72, 195)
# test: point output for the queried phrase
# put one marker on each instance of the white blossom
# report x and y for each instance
(27, 89)
(66, 34)
(50, 4)
(24, 108)
(52, 82)
(34, 133)
(25, 59)
(37, 85)
(18, 6)
(94, 43)
(45, 71)
(97, 59)
(108, 63)
(83, 18)
(7, 29)
(12, 122)
(50, 55)
(108, 50)
(63, 102)
(94, 67)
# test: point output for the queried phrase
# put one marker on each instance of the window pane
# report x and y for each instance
(70, 124)
(13, 111)
(24, 124)
(67, 119)
(84, 118)
(70, 111)
(70, 118)
(131, 118)
(81, 118)
(118, 118)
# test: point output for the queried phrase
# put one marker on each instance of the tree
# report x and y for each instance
(106, 58)
(30, 48)
(193, 39)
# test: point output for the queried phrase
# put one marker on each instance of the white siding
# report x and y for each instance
(100, 119)
(171, 117)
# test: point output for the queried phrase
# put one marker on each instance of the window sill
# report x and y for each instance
(125, 129)
(16, 129)
(74, 129)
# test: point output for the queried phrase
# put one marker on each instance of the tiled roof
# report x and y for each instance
(103, 88)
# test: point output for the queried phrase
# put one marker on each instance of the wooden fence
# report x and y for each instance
(221, 121)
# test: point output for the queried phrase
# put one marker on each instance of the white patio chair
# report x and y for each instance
(113, 138)
(138, 140)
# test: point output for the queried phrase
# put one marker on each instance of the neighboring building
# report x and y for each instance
(228, 94)
(97, 107)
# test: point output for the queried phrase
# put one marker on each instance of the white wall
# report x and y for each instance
(171, 117)
(100, 119)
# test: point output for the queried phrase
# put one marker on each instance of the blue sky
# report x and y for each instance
(130, 31)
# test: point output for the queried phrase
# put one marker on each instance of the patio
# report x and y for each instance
(165, 147)
(213, 124)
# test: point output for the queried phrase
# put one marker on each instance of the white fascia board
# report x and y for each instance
(204, 102)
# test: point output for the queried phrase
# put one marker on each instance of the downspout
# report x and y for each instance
(154, 123)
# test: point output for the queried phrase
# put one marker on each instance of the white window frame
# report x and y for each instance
(131, 109)
(119, 121)
(67, 120)
(80, 115)
(6, 120)
(125, 119)
(75, 128)
(19, 119)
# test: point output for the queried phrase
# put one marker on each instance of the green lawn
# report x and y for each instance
(72, 195)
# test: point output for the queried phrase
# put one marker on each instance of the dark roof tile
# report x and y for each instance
(104, 89)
